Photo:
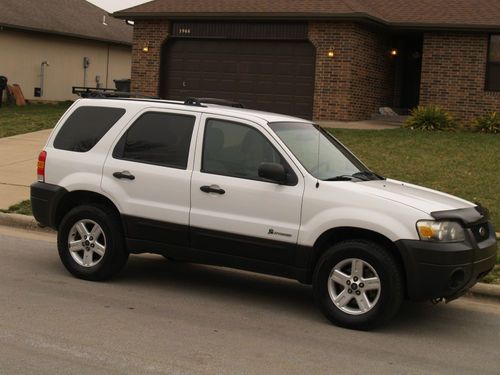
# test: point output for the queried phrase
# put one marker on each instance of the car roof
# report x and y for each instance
(204, 108)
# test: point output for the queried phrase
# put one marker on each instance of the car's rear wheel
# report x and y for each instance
(358, 284)
(90, 243)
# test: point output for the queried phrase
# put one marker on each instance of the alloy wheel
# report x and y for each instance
(354, 286)
(87, 243)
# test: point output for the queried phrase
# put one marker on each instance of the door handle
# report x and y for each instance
(212, 189)
(124, 175)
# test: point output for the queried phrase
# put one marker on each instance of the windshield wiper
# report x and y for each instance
(367, 176)
(363, 176)
(344, 177)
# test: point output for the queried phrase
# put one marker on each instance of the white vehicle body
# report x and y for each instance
(287, 224)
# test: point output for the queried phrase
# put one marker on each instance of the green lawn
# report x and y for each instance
(32, 117)
(494, 276)
(22, 208)
(462, 164)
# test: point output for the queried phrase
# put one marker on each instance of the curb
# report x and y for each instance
(482, 290)
(22, 222)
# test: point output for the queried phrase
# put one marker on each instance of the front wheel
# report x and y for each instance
(91, 243)
(358, 284)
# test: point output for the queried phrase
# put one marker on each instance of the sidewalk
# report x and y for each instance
(18, 158)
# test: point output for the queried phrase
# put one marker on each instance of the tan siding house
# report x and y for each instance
(45, 55)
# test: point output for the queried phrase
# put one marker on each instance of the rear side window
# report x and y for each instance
(85, 127)
(157, 138)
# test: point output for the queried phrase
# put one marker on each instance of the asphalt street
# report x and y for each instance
(173, 318)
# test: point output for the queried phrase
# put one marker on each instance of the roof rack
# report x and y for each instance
(200, 101)
(103, 93)
(106, 93)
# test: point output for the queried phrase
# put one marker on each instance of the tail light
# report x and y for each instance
(40, 168)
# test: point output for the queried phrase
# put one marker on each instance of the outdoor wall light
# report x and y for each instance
(331, 54)
(145, 47)
(394, 52)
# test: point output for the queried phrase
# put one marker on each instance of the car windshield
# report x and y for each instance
(320, 153)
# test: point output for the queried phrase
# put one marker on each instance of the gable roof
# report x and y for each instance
(431, 14)
(75, 18)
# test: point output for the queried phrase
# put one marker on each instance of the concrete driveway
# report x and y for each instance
(18, 158)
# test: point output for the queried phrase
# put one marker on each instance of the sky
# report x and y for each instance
(114, 5)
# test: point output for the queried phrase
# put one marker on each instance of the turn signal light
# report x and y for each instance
(440, 231)
(40, 167)
(425, 231)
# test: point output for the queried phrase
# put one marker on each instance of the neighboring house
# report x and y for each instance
(321, 59)
(43, 44)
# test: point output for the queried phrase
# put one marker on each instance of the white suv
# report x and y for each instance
(257, 191)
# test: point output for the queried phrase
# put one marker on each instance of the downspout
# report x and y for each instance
(42, 76)
(86, 63)
(84, 76)
(107, 68)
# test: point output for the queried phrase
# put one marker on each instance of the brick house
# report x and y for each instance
(321, 59)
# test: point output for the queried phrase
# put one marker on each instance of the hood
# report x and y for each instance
(420, 198)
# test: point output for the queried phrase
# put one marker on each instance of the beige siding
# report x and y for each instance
(21, 55)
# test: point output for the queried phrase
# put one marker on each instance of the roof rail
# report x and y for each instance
(103, 93)
(193, 101)
(218, 101)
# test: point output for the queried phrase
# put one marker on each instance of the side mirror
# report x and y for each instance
(272, 172)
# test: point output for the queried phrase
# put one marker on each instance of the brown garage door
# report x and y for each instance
(275, 76)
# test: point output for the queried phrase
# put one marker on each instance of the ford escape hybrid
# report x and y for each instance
(256, 191)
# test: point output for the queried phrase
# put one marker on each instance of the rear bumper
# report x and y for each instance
(45, 199)
(446, 270)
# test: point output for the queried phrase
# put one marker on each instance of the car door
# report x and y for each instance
(233, 210)
(148, 174)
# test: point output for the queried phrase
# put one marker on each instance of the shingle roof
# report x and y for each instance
(463, 14)
(438, 12)
(77, 18)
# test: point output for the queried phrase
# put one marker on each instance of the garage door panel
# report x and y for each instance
(275, 76)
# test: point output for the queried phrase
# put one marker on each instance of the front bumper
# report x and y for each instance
(446, 270)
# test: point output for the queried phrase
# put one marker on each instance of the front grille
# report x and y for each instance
(481, 231)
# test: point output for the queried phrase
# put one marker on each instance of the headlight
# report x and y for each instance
(440, 231)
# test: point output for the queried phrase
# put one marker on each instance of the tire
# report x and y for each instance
(372, 262)
(89, 262)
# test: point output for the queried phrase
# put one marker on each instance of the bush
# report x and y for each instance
(430, 118)
(489, 123)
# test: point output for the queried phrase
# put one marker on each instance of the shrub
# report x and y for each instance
(430, 117)
(489, 123)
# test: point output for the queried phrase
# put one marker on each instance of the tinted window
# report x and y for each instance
(493, 69)
(237, 150)
(85, 127)
(158, 138)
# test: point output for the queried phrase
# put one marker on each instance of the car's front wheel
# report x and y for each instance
(358, 284)
(90, 243)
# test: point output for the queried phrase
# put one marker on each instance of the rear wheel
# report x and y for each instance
(358, 284)
(90, 243)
